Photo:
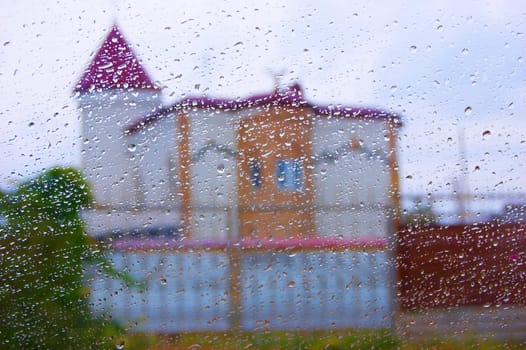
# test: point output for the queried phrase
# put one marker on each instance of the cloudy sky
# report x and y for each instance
(451, 68)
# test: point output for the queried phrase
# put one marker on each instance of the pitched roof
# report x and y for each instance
(115, 66)
(291, 96)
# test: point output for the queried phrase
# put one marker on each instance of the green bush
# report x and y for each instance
(44, 300)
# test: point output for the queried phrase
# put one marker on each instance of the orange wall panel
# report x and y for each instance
(266, 138)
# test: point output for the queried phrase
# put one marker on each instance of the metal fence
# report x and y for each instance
(465, 208)
(250, 285)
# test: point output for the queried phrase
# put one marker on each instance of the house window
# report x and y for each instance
(255, 174)
(290, 174)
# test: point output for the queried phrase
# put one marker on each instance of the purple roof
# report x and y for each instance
(292, 96)
(115, 66)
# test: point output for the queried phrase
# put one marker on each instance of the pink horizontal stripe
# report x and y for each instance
(250, 243)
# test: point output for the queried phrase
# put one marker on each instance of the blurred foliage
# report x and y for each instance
(421, 215)
(314, 340)
(269, 340)
(44, 300)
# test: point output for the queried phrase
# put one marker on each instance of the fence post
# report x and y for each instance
(234, 261)
(235, 286)
(393, 241)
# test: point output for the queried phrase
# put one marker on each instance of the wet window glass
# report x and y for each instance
(289, 174)
(267, 175)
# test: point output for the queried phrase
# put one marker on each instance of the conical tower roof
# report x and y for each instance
(115, 66)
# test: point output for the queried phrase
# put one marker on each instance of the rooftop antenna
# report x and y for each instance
(277, 77)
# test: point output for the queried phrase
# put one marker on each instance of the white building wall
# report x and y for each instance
(351, 191)
(214, 173)
(108, 159)
(126, 172)
(154, 185)
(158, 158)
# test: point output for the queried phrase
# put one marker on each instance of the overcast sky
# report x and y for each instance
(449, 67)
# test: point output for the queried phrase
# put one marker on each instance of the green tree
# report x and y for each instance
(43, 252)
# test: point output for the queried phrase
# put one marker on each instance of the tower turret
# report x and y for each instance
(114, 91)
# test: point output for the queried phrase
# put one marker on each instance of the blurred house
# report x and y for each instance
(269, 165)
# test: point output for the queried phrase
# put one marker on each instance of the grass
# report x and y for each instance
(317, 340)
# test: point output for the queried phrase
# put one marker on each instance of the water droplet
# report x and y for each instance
(440, 28)
(409, 177)
(132, 147)
(465, 51)
(291, 284)
(31, 124)
(163, 281)
(468, 110)
(221, 168)
(412, 48)
(486, 133)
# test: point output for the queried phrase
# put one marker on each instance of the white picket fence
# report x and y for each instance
(300, 287)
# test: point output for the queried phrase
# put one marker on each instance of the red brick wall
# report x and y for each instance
(462, 265)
